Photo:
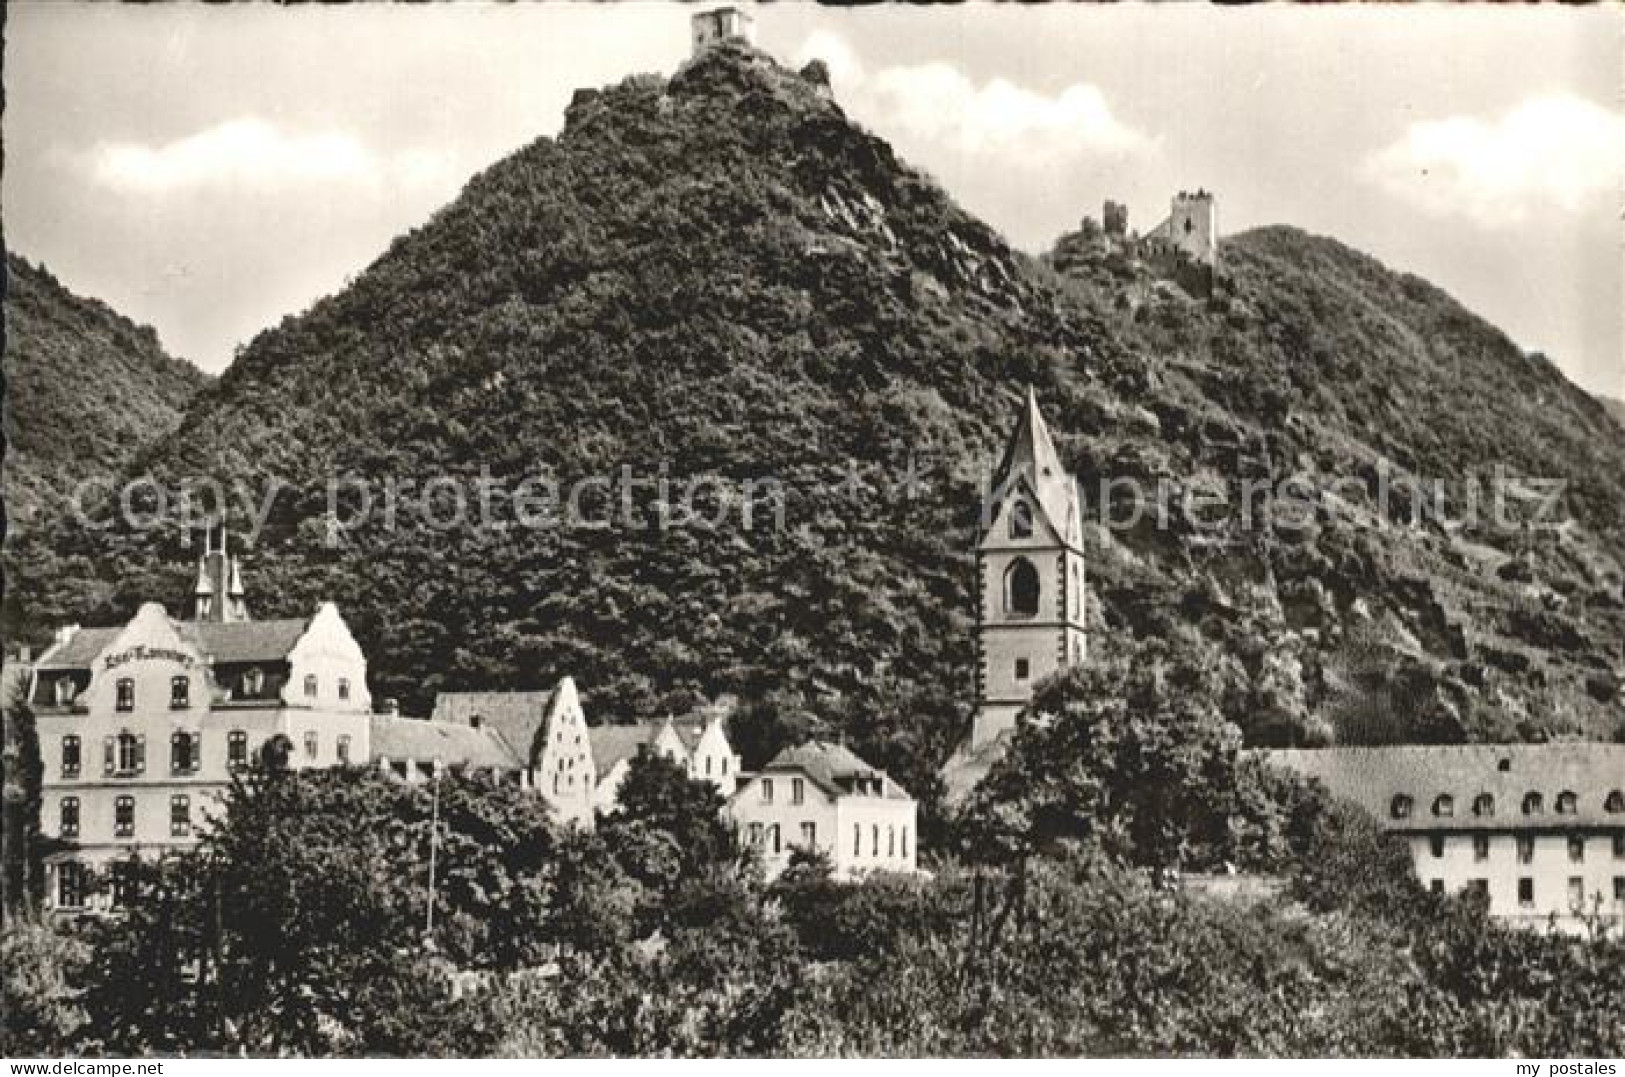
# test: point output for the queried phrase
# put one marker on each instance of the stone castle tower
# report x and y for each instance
(722, 24)
(218, 594)
(1191, 226)
(1030, 578)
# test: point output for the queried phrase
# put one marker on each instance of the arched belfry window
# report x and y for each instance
(1021, 519)
(1021, 589)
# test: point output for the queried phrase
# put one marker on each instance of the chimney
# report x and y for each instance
(65, 633)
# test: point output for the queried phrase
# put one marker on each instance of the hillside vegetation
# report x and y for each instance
(719, 275)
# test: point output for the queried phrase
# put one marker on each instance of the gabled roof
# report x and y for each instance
(1030, 458)
(237, 641)
(613, 743)
(1374, 776)
(834, 768)
(424, 741)
(516, 716)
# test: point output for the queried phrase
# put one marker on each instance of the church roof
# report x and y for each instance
(1031, 457)
(1374, 776)
(834, 768)
(424, 740)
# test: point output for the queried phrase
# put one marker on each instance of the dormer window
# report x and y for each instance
(1484, 805)
(1533, 804)
(310, 686)
(1567, 803)
(126, 694)
(1400, 807)
(1021, 520)
(253, 681)
(65, 691)
(1444, 806)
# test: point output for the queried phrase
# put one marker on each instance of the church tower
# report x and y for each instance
(218, 594)
(1030, 580)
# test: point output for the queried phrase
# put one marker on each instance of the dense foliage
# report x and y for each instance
(299, 927)
(717, 275)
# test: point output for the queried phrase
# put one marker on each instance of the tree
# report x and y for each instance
(666, 826)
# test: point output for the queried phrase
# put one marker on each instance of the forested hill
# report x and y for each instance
(1616, 408)
(86, 390)
(718, 275)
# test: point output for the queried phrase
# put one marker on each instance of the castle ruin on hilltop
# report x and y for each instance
(1182, 248)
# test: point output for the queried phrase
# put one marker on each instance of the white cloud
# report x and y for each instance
(1548, 153)
(939, 104)
(251, 154)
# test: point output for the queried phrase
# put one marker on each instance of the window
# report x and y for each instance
(809, 835)
(1444, 806)
(126, 754)
(183, 752)
(1577, 848)
(310, 686)
(905, 842)
(798, 790)
(1526, 892)
(70, 756)
(1567, 803)
(124, 817)
(724, 766)
(1615, 804)
(875, 845)
(237, 748)
(1533, 804)
(891, 841)
(126, 694)
(1021, 520)
(69, 823)
(767, 790)
(1437, 886)
(857, 839)
(64, 691)
(707, 766)
(1526, 848)
(756, 833)
(1481, 846)
(344, 688)
(312, 744)
(1484, 805)
(70, 885)
(1023, 668)
(253, 681)
(180, 692)
(1400, 807)
(1577, 893)
(773, 832)
(1436, 843)
(121, 885)
(1479, 886)
(1619, 887)
(180, 815)
(1619, 845)
(344, 747)
(1021, 589)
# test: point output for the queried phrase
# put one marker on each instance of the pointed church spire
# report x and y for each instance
(217, 595)
(1031, 457)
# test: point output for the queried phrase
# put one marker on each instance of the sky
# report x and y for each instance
(211, 170)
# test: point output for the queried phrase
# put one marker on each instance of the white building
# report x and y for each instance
(141, 725)
(1539, 827)
(821, 796)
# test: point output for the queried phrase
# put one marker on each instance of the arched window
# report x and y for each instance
(1615, 803)
(1567, 803)
(1400, 807)
(1484, 805)
(1533, 804)
(1021, 520)
(1021, 589)
(1444, 806)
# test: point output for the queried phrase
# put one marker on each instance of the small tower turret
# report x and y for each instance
(218, 595)
(722, 24)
